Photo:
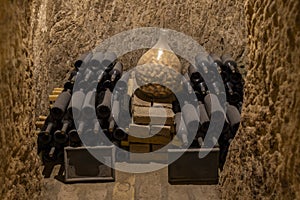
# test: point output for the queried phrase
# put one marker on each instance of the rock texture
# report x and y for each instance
(263, 162)
(65, 29)
(19, 169)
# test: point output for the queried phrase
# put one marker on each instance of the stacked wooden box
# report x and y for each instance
(152, 128)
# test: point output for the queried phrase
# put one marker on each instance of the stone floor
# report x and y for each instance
(143, 186)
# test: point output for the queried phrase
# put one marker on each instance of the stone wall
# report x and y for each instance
(65, 29)
(264, 162)
(19, 165)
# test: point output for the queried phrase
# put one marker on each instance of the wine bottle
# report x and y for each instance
(229, 63)
(109, 60)
(190, 116)
(83, 60)
(214, 108)
(60, 105)
(234, 98)
(74, 138)
(88, 106)
(87, 75)
(104, 108)
(116, 72)
(216, 62)
(60, 136)
(44, 136)
(96, 61)
(90, 138)
(187, 83)
(235, 78)
(229, 88)
(119, 133)
(194, 75)
(76, 102)
(234, 117)
(181, 130)
(204, 119)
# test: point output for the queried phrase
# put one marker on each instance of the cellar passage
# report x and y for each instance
(39, 40)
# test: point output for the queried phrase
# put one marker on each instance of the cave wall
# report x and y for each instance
(68, 28)
(263, 161)
(19, 165)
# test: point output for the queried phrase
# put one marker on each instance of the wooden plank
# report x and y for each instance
(139, 102)
(160, 130)
(58, 89)
(152, 140)
(164, 105)
(155, 147)
(42, 118)
(56, 92)
(139, 130)
(52, 98)
(139, 148)
(125, 143)
(39, 124)
(153, 115)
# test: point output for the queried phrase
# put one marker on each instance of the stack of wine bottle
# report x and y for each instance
(97, 74)
(216, 106)
(70, 122)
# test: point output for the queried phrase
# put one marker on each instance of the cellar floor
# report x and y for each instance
(152, 186)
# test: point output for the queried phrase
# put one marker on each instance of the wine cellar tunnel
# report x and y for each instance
(40, 40)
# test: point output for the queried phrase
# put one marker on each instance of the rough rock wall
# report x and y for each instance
(69, 28)
(264, 161)
(19, 165)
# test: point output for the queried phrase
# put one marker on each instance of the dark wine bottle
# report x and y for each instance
(216, 62)
(190, 116)
(234, 117)
(194, 75)
(88, 106)
(96, 61)
(104, 108)
(109, 60)
(119, 133)
(214, 108)
(76, 102)
(234, 98)
(60, 136)
(44, 136)
(204, 118)
(60, 105)
(83, 60)
(229, 63)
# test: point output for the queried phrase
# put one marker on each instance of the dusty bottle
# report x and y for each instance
(190, 116)
(60, 105)
(109, 60)
(96, 60)
(60, 136)
(104, 108)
